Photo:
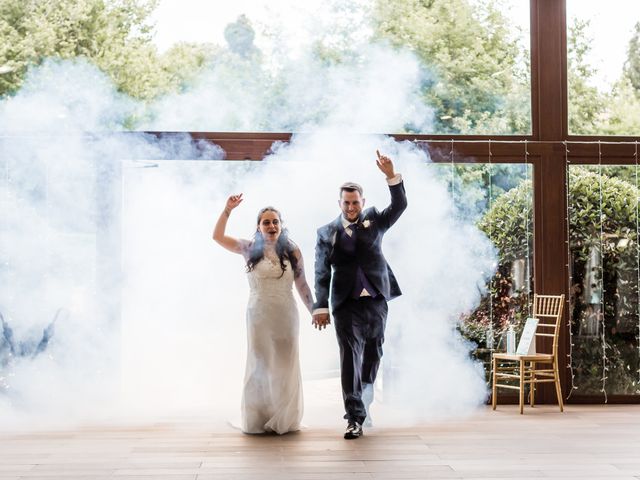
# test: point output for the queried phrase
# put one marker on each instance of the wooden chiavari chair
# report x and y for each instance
(534, 368)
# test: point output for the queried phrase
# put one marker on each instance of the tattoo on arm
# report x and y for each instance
(308, 300)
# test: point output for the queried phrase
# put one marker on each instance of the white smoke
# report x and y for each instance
(113, 231)
(377, 93)
(60, 196)
(441, 263)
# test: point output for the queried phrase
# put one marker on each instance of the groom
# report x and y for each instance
(349, 259)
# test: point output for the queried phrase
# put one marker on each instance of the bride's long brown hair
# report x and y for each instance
(284, 246)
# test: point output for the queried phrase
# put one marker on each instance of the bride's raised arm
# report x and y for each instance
(235, 245)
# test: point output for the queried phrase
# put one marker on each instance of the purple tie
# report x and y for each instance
(349, 246)
(349, 241)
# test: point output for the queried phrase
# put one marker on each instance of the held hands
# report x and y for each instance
(320, 320)
(385, 165)
(232, 202)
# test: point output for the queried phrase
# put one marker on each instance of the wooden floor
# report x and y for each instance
(584, 442)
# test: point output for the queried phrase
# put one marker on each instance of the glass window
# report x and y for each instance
(603, 48)
(499, 198)
(49, 241)
(603, 235)
(372, 66)
(367, 66)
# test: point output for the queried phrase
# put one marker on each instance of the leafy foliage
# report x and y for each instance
(603, 222)
(586, 103)
(476, 82)
(632, 67)
(595, 112)
(115, 35)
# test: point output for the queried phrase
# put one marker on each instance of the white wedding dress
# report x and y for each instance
(272, 394)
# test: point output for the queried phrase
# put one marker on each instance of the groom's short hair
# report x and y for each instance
(351, 187)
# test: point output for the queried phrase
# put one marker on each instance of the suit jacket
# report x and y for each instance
(336, 270)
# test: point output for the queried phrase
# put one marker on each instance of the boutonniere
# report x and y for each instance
(366, 224)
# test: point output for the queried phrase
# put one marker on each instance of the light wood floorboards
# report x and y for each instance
(589, 442)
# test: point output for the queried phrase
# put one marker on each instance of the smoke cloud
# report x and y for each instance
(106, 242)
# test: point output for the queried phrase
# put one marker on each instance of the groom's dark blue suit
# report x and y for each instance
(345, 264)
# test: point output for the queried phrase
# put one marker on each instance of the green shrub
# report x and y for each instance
(602, 223)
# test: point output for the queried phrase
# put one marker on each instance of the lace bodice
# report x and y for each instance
(267, 277)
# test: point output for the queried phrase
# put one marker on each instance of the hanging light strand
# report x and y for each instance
(605, 363)
(527, 216)
(570, 271)
(490, 204)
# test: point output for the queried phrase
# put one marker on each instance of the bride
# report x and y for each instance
(272, 392)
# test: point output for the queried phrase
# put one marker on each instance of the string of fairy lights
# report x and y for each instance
(528, 234)
(490, 204)
(605, 360)
(569, 267)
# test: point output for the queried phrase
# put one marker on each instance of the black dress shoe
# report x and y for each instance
(354, 430)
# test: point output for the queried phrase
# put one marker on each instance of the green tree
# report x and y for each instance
(115, 35)
(478, 79)
(586, 103)
(596, 112)
(184, 62)
(621, 115)
(632, 65)
(240, 36)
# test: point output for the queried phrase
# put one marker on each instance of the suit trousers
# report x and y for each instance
(359, 325)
